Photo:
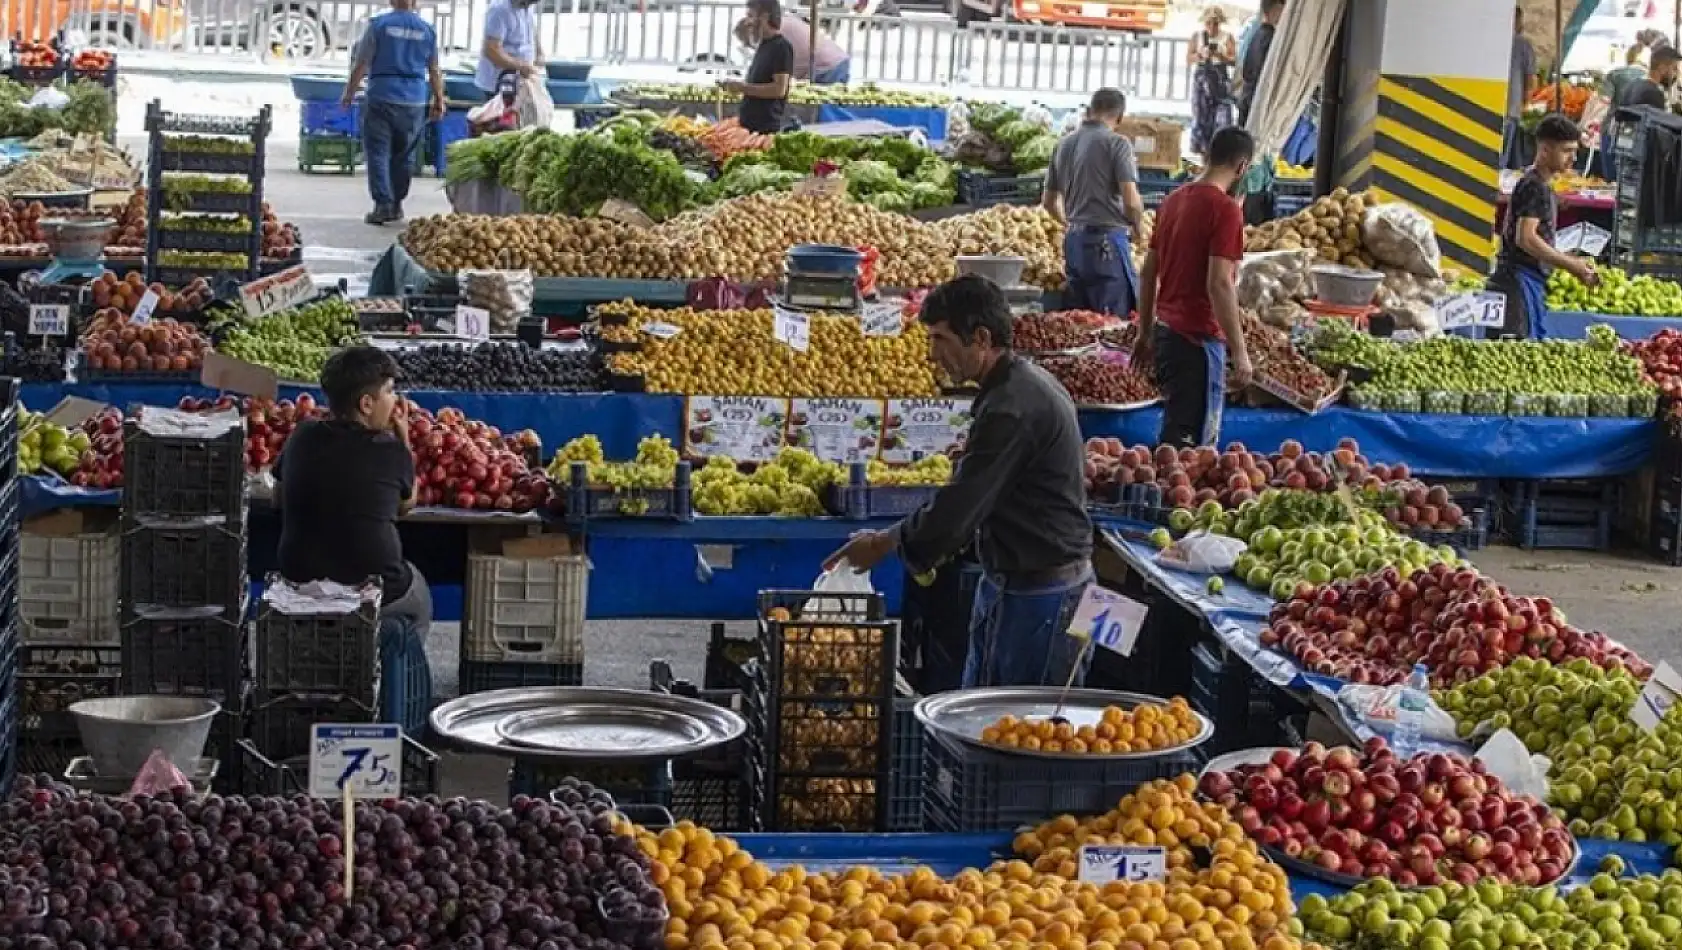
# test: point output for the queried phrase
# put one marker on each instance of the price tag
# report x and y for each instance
(793, 328)
(1456, 312)
(1595, 239)
(473, 323)
(277, 292)
(143, 310)
(364, 760)
(882, 319)
(1108, 619)
(1405, 336)
(1662, 691)
(1492, 309)
(661, 331)
(49, 319)
(1107, 863)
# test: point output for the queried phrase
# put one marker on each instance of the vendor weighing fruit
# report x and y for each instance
(1527, 233)
(1092, 187)
(1018, 491)
(342, 482)
(765, 91)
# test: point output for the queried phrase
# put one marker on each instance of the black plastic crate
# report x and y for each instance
(806, 803)
(177, 564)
(630, 783)
(36, 75)
(584, 502)
(106, 77)
(862, 502)
(827, 737)
(319, 653)
(719, 802)
(178, 652)
(210, 163)
(256, 127)
(180, 476)
(212, 202)
(1472, 536)
(260, 774)
(968, 789)
(174, 239)
(1575, 514)
(182, 276)
(727, 661)
(479, 677)
(982, 190)
(725, 759)
(1665, 537)
(823, 645)
(47, 755)
(50, 677)
(280, 724)
(905, 788)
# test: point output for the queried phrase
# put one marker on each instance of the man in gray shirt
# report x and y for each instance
(1092, 187)
(1521, 82)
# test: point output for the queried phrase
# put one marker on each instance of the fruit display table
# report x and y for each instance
(1556, 325)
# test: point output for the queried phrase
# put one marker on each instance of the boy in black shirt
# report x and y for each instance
(342, 483)
(1527, 233)
(765, 93)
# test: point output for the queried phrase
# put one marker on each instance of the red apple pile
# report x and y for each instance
(1661, 360)
(1419, 822)
(468, 464)
(1420, 507)
(1459, 623)
(1189, 477)
(101, 464)
(268, 422)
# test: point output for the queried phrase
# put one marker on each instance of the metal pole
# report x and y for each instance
(812, 46)
(1559, 54)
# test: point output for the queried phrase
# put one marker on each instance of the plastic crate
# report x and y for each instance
(172, 564)
(405, 696)
(210, 163)
(815, 654)
(50, 677)
(182, 276)
(968, 789)
(329, 154)
(280, 724)
(525, 610)
(185, 654)
(319, 653)
(1473, 536)
(478, 677)
(584, 502)
(72, 587)
(213, 202)
(727, 661)
(329, 118)
(630, 783)
(175, 239)
(879, 501)
(843, 739)
(36, 75)
(805, 803)
(982, 190)
(718, 802)
(440, 135)
(262, 775)
(46, 756)
(182, 476)
(9, 460)
(1561, 515)
(905, 788)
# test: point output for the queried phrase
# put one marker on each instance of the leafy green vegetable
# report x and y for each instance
(868, 176)
(986, 117)
(934, 170)
(1035, 154)
(1015, 134)
(749, 178)
(890, 201)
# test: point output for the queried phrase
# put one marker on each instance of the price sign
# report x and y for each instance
(49, 319)
(364, 760)
(793, 328)
(277, 292)
(143, 310)
(1102, 864)
(1108, 619)
(1457, 311)
(1662, 691)
(1491, 309)
(1584, 238)
(660, 330)
(882, 319)
(473, 323)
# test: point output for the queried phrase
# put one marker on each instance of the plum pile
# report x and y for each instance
(173, 872)
(44, 365)
(500, 367)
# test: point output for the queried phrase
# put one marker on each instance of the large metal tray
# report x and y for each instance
(618, 725)
(962, 714)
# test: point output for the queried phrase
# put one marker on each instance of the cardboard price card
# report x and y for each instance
(836, 430)
(917, 428)
(745, 428)
(277, 292)
(1107, 863)
(1107, 618)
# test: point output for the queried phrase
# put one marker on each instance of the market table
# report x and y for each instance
(1574, 207)
(1573, 325)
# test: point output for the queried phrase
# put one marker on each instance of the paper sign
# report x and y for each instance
(473, 323)
(237, 376)
(1583, 238)
(364, 760)
(832, 186)
(1457, 311)
(882, 319)
(72, 411)
(917, 428)
(836, 430)
(1492, 309)
(660, 330)
(277, 292)
(143, 310)
(1662, 691)
(792, 327)
(1108, 619)
(745, 428)
(1102, 864)
(49, 319)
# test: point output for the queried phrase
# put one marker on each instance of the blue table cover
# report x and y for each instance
(931, 119)
(1571, 325)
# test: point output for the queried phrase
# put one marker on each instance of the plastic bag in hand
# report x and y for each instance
(157, 776)
(1202, 553)
(842, 580)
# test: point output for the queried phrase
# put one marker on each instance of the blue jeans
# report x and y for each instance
(839, 76)
(391, 133)
(1099, 268)
(1021, 637)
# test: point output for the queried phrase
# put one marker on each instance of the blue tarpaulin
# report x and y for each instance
(932, 120)
(1556, 325)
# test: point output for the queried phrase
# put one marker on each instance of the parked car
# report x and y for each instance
(109, 23)
(292, 29)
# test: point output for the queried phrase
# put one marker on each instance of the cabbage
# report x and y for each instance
(868, 175)
(929, 195)
(1034, 154)
(889, 201)
(1013, 135)
(934, 171)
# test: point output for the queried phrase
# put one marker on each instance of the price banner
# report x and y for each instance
(365, 761)
(745, 428)
(661, 330)
(917, 428)
(1460, 310)
(836, 430)
(473, 323)
(143, 309)
(277, 292)
(1108, 619)
(882, 319)
(1491, 309)
(49, 319)
(1102, 864)
(792, 328)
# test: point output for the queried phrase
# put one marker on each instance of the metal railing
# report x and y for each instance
(682, 35)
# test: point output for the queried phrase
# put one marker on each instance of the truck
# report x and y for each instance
(1132, 16)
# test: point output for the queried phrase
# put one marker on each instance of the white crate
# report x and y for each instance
(525, 610)
(67, 588)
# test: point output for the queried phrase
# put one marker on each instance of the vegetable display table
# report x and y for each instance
(1567, 325)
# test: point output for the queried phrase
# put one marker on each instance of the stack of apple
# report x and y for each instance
(1374, 628)
(468, 464)
(268, 422)
(1190, 477)
(1419, 822)
(101, 464)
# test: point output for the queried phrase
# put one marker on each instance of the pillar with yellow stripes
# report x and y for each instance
(1424, 100)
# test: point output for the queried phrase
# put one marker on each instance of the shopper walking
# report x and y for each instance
(764, 91)
(1212, 53)
(1527, 233)
(1018, 492)
(398, 56)
(1255, 55)
(1613, 87)
(510, 44)
(830, 66)
(1092, 186)
(1189, 282)
(1521, 85)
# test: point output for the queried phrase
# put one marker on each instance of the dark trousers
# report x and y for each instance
(1098, 265)
(1192, 377)
(391, 134)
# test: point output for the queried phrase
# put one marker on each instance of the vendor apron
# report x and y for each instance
(1526, 291)
(1098, 263)
(1019, 630)
(1192, 377)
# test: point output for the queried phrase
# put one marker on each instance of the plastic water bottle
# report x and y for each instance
(1410, 711)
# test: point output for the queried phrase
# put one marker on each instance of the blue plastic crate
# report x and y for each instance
(564, 93)
(1572, 514)
(905, 780)
(309, 89)
(330, 118)
(405, 678)
(440, 135)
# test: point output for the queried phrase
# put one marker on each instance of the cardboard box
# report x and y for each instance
(1156, 142)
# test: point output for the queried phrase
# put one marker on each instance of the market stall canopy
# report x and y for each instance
(1294, 66)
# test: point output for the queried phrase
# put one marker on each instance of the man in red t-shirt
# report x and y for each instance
(1190, 280)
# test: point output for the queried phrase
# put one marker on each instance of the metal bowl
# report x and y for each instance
(1345, 286)
(962, 714)
(1004, 270)
(121, 732)
(585, 724)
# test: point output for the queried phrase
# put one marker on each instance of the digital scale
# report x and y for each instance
(77, 246)
(834, 292)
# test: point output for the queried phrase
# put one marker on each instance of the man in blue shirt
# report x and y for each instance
(510, 44)
(399, 57)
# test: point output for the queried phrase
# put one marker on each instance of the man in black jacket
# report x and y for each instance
(1018, 489)
(1255, 55)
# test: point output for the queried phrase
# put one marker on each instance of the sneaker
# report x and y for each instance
(397, 211)
(380, 215)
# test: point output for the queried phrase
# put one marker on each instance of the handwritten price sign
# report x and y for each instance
(473, 323)
(49, 319)
(277, 292)
(364, 760)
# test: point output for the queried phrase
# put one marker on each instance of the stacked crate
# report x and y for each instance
(204, 177)
(10, 621)
(322, 665)
(182, 588)
(1664, 508)
(523, 621)
(820, 712)
(1573, 514)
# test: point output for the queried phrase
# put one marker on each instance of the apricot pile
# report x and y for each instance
(1144, 728)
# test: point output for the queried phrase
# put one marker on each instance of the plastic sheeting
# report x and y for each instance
(1571, 325)
(1295, 63)
(931, 120)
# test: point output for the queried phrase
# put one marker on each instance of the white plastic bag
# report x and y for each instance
(1202, 553)
(843, 579)
(536, 108)
(486, 112)
(1507, 759)
(1402, 236)
(505, 294)
(1376, 706)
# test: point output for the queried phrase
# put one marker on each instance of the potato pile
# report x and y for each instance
(1331, 227)
(1029, 232)
(732, 353)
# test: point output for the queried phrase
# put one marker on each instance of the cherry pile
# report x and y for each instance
(1097, 380)
(1062, 330)
(176, 872)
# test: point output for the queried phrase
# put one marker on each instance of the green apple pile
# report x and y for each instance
(46, 446)
(1610, 913)
(1593, 366)
(1616, 293)
(294, 343)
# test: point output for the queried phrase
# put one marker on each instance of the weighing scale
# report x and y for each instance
(77, 246)
(1024, 298)
(834, 292)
